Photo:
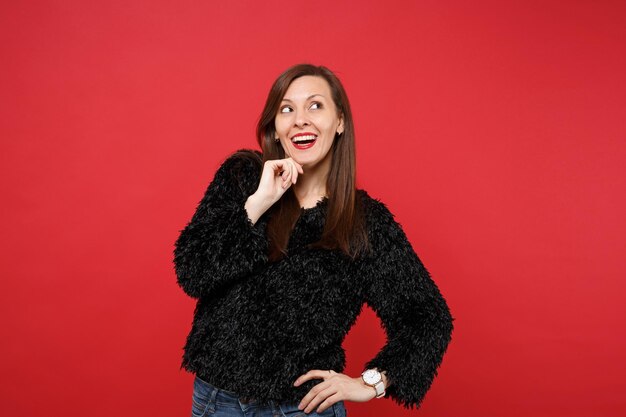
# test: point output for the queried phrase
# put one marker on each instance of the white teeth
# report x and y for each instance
(302, 138)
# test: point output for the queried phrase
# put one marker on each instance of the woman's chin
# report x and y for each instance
(308, 161)
(306, 164)
(302, 161)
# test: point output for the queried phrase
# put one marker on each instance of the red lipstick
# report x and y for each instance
(303, 140)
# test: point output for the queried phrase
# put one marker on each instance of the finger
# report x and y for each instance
(320, 398)
(286, 183)
(312, 374)
(278, 165)
(286, 173)
(328, 402)
(306, 401)
(312, 394)
(294, 172)
(289, 170)
(298, 166)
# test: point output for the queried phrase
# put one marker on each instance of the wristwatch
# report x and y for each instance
(373, 378)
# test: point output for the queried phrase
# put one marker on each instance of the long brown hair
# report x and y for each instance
(344, 226)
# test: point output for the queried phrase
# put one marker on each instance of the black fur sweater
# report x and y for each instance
(258, 325)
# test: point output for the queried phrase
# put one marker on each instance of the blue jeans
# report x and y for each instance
(210, 401)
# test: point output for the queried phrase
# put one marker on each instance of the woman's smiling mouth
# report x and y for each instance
(303, 140)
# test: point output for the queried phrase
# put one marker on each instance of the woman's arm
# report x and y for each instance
(414, 315)
(413, 312)
(336, 387)
(221, 243)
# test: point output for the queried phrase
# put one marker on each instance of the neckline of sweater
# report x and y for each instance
(317, 205)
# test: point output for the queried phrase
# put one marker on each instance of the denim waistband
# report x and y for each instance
(230, 397)
(224, 398)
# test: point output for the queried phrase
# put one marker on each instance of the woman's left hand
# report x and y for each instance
(336, 387)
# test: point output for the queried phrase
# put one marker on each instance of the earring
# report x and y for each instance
(276, 140)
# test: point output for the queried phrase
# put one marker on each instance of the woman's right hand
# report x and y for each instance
(277, 176)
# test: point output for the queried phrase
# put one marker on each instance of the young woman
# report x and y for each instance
(282, 253)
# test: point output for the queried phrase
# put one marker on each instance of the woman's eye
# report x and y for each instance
(316, 105)
(285, 109)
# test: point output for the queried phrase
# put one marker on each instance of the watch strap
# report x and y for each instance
(380, 389)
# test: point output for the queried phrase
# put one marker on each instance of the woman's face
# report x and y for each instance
(307, 121)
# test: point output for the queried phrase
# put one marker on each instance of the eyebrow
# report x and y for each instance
(308, 98)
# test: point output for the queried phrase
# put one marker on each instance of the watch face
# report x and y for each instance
(371, 376)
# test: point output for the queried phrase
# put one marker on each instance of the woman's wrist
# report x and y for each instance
(255, 207)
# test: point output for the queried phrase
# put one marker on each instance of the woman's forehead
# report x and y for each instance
(306, 87)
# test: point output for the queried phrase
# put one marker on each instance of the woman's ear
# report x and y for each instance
(340, 127)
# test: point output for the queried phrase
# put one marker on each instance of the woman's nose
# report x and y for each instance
(301, 119)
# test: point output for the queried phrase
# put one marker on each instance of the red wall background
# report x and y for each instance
(495, 131)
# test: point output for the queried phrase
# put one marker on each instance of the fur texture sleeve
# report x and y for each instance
(413, 312)
(220, 243)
